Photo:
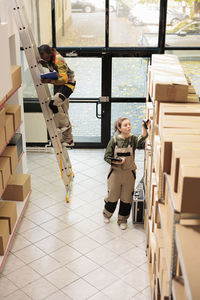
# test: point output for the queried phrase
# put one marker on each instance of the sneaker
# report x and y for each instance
(123, 226)
(106, 220)
(63, 129)
(70, 144)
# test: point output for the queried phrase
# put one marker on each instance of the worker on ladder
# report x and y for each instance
(63, 88)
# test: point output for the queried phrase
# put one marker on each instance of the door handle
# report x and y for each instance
(101, 99)
(98, 115)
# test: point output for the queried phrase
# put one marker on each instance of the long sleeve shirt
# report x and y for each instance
(137, 142)
(65, 74)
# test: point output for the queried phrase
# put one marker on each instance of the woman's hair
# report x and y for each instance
(45, 49)
(118, 123)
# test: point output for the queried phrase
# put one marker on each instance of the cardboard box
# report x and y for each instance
(5, 169)
(16, 79)
(155, 207)
(166, 148)
(188, 189)
(4, 235)
(179, 131)
(175, 108)
(191, 89)
(11, 153)
(15, 111)
(2, 139)
(17, 141)
(168, 86)
(180, 127)
(9, 128)
(193, 98)
(1, 184)
(2, 119)
(159, 245)
(164, 58)
(18, 187)
(180, 121)
(178, 152)
(8, 211)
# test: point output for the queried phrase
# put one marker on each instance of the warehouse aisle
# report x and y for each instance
(64, 250)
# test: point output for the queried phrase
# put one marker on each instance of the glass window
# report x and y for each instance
(134, 24)
(183, 26)
(190, 60)
(134, 111)
(29, 90)
(88, 76)
(85, 126)
(81, 24)
(42, 21)
(129, 77)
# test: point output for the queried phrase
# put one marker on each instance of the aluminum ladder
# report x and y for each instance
(44, 96)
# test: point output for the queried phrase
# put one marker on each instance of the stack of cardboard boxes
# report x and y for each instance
(13, 187)
(175, 139)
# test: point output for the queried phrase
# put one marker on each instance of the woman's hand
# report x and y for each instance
(146, 123)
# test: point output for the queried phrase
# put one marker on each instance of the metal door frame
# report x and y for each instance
(106, 54)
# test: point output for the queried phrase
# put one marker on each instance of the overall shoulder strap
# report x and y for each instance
(115, 140)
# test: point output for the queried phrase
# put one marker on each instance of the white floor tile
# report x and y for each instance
(19, 243)
(65, 254)
(119, 245)
(18, 295)
(45, 265)
(50, 244)
(65, 251)
(100, 278)
(102, 235)
(25, 225)
(40, 217)
(99, 296)
(119, 290)
(29, 254)
(84, 245)
(80, 290)
(7, 286)
(61, 277)
(12, 264)
(140, 297)
(68, 235)
(58, 209)
(82, 266)
(23, 276)
(35, 234)
(119, 267)
(58, 296)
(136, 256)
(86, 226)
(71, 218)
(101, 255)
(54, 225)
(138, 279)
(39, 289)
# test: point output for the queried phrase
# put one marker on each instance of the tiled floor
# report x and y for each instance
(64, 250)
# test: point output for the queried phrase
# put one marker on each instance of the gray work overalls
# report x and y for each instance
(61, 119)
(121, 181)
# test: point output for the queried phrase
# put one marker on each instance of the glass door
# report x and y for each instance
(101, 44)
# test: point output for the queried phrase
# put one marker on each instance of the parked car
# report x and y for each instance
(91, 5)
(149, 15)
(186, 33)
